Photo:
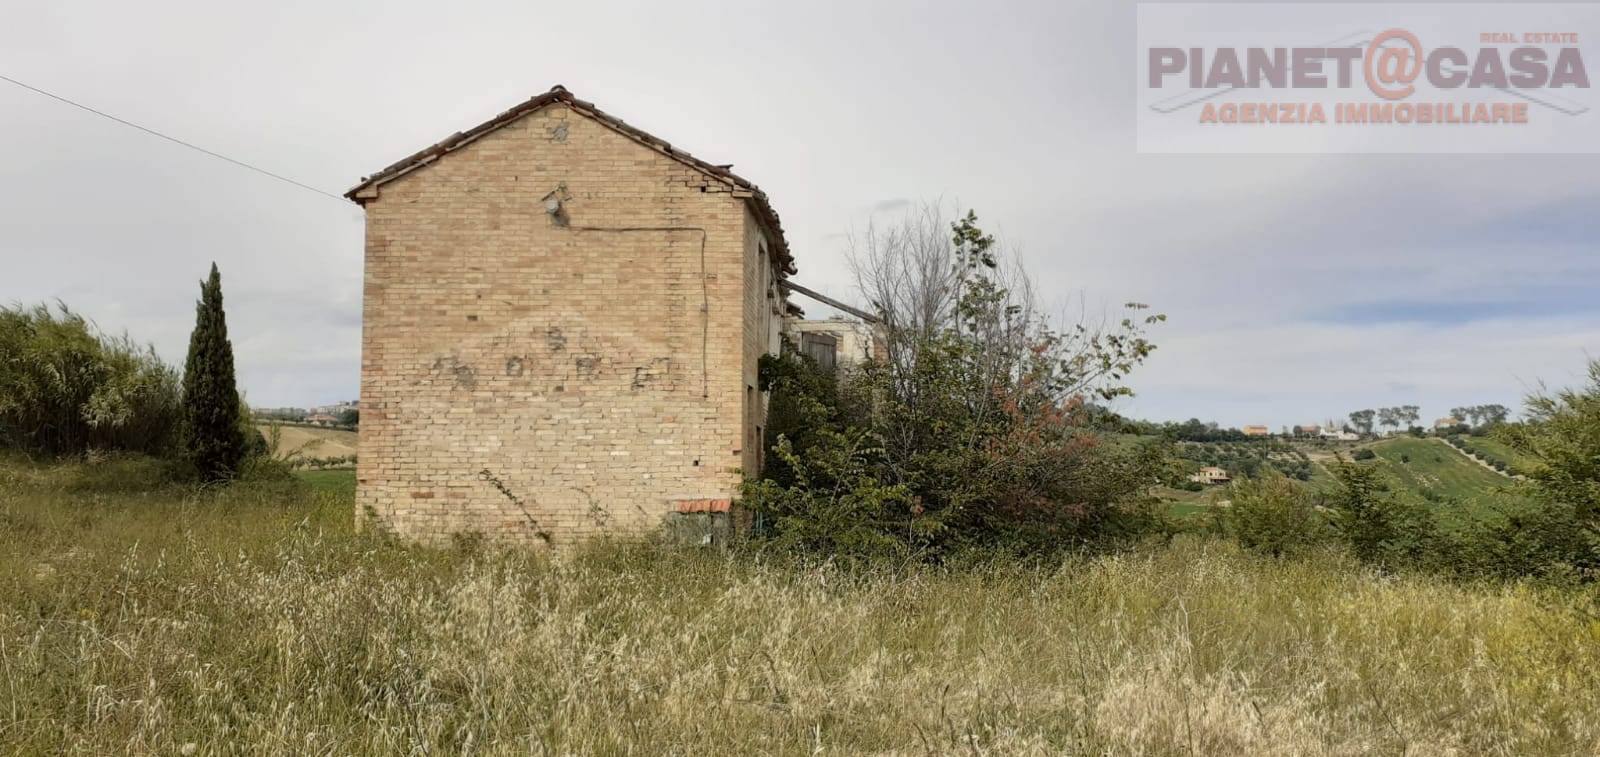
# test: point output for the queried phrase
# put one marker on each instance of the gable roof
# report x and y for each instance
(741, 186)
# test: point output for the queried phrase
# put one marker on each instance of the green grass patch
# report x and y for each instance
(338, 481)
(1493, 449)
(1429, 464)
(1185, 508)
(1188, 511)
(1322, 479)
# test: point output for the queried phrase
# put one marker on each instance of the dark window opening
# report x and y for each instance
(766, 267)
(822, 348)
(751, 409)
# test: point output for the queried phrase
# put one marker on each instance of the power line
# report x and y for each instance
(171, 139)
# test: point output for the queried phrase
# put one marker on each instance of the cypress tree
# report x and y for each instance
(211, 409)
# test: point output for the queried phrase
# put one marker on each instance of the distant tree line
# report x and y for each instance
(1472, 417)
(1192, 430)
(1392, 418)
(293, 415)
(67, 389)
(1252, 458)
(286, 414)
(1480, 417)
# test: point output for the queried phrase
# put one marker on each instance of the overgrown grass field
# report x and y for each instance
(149, 618)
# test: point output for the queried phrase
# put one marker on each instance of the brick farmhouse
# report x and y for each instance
(562, 322)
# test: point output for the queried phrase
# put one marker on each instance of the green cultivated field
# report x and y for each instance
(1494, 449)
(1434, 470)
(148, 618)
(1186, 506)
(1434, 466)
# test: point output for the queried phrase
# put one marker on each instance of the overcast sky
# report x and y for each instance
(1298, 287)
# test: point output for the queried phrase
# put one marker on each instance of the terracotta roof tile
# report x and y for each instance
(704, 505)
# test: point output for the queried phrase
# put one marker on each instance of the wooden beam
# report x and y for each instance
(826, 300)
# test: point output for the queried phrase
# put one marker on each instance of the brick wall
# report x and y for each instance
(540, 378)
(763, 315)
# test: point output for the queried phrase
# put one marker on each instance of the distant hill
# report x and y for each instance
(1441, 474)
(1427, 468)
(1430, 464)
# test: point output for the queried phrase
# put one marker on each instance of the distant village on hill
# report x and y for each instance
(345, 413)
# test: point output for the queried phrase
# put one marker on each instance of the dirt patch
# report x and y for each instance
(314, 442)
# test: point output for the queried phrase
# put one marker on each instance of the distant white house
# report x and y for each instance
(1339, 435)
(334, 409)
(1211, 475)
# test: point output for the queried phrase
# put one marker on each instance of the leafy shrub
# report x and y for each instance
(1436, 497)
(972, 433)
(1543, 539)
(835, 503)
(1560, 533)
(264, 470)
(323, 463)
(804, 405)
(1378, 525)
(67, 389)
(1273, 515)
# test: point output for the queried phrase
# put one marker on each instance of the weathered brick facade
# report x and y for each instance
(561, 329)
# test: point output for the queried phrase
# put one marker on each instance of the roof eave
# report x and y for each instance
(367, 189)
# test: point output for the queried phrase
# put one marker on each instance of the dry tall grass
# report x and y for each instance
(305, 441)
(164, 621)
